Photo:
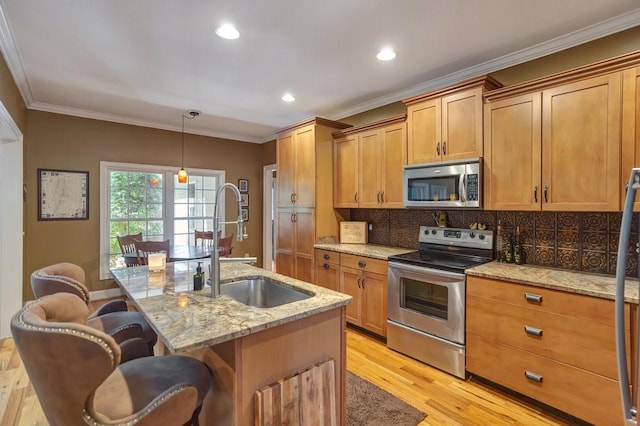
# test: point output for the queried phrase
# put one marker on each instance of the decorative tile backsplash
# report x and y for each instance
(569, 240)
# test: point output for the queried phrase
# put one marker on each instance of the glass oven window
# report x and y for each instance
(425, 298)
(444, 188)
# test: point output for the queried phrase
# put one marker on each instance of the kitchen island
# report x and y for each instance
(246, 348)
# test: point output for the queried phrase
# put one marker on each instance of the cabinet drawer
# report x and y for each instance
(327, 256)
(578, 392)
(559, 302)
(363, 263)
(586, 344)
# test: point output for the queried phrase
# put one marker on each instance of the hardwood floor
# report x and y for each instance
(446, 399)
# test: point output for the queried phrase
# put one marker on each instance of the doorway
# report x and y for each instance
(268, 224)
(11, 226)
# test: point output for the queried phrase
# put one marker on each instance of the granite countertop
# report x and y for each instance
(205, 321)
(603, 286)
(368, 250)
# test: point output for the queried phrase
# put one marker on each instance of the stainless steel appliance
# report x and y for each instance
(443, 184)
(426, 295)
(630, 397)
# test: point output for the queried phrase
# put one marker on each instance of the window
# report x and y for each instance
(143, 198)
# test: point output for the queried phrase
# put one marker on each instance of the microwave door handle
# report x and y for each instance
(462, 187)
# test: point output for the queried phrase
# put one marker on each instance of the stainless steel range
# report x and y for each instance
(426, 312)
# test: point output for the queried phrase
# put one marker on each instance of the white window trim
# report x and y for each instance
(106, 167)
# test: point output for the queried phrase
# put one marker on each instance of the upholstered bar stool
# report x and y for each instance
(111, 317)
(76, 372)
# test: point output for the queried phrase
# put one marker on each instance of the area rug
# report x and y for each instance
(368, 405)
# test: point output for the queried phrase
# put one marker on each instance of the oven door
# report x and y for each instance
(428, 300)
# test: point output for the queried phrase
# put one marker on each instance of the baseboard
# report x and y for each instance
(105, 294)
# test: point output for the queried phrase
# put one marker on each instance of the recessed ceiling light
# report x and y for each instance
(288, 97)
(386, 54)
(227, 31)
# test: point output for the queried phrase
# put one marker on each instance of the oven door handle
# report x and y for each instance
(422, 270)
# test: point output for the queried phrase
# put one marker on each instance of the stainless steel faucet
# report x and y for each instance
(215, 256)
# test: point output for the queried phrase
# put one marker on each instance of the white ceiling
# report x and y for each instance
(145, 62)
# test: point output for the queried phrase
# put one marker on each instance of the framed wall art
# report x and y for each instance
(245, 215)
(244, 200)
(243, 185)
(63, 195)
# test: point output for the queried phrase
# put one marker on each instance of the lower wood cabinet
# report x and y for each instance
(553, 346)
(365, 279)
(327, 269)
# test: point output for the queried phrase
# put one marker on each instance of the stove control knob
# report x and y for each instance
(481, 236)
(433, 232)
(472, 234)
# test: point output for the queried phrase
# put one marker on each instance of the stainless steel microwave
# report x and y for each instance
(444, 184)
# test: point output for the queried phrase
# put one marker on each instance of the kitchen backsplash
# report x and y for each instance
(569, 240)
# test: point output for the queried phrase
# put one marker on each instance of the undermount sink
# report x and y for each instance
(262, 292)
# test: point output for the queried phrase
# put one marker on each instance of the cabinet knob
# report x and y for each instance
(326, 256)
(532, 298)
(325, 266)
(362, 263)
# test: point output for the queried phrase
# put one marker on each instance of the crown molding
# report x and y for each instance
(13, 60)
(57, 109)
(602, 29)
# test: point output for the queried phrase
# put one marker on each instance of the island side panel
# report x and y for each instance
(283, 351)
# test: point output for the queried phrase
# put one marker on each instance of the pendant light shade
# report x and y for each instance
(182, 173)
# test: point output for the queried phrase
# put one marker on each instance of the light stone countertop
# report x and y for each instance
(205, 321)
(367, 250)
(602, 286)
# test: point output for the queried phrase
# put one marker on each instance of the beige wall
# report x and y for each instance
(72, 143)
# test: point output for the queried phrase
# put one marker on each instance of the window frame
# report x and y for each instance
(168, 211)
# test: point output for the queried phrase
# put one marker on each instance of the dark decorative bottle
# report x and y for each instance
(198, 277)
(517, 248)
(499, 243)
(508, 249)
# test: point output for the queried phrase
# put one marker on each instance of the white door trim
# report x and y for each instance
(268, 230)
(11, 223)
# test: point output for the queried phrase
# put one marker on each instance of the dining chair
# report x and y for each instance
(112, 317)
(126, 244)
(205, 237)
(78, 377)
(225, 246)
(144, 248)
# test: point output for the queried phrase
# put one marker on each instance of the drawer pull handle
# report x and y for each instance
(326, 256)
(362, 263)
(533, 331)
(533, 376)
(325, 266)
(533, 298)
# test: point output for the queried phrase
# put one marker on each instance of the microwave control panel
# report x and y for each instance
(472, 187)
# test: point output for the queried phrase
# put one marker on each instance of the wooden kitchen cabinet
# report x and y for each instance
(305, 212)
(553, 346)
(327, 269)
(369, 162)
(630, 129)
(365, 279)
(447, 124)
(556, 149)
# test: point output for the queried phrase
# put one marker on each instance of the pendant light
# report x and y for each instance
(182, 173)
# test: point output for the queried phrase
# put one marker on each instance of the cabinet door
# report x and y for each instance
(630, 129)
(424, 131)
(285, 159)
(345, 172)
(304, 240)
(462, 125)
(368, 168)
(327, 275)
(285, 242)
(350, 284)
(512, 153)
(374, 316)
(581, 145)
(394, 158)
(305, 167)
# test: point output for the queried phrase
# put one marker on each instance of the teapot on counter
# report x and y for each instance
(441, 219)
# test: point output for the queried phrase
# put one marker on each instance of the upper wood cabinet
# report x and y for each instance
(297, 161)
(368, 164)
(556, 149)
(447, 124)
(630, 129)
